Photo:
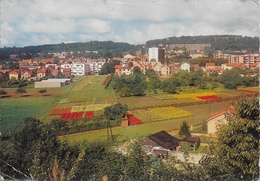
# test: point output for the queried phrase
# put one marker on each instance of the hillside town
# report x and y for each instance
(155, 58)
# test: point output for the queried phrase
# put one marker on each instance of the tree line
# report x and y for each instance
(106, 49)
(138, 83)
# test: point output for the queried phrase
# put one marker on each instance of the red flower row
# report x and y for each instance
(207, 98)
(89, 114)
(133, 120)
(71, 116)
(59, 111)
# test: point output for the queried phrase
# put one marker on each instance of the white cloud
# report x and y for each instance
(94, 25)
(28, 22)
(8, 35)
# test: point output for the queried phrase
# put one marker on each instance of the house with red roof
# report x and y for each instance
(26, 74)
(218, 118)
(66, 72)
(229, 66)
(42, 73)
(15, 74)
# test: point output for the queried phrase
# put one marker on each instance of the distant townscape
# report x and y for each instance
(165, 59)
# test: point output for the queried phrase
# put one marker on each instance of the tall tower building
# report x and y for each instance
(156, 55)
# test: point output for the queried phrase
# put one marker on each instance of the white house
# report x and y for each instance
(218, 118)
(185, 66)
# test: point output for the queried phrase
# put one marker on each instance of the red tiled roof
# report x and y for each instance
(28, 71)
(67, 70)
(43, 70)
(254, 65)
(229, 110)
(118, 66)
(149, 65)
(15, 71)
(4, 71)
(210, 64)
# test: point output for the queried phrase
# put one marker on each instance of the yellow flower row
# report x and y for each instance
(160, 114)
(91, 107)
(194, 95)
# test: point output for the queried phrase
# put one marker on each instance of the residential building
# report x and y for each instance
(161, 141)
(218, 118)
(78, 69)
(50, 83)
(156, 55)
(120, 70)
(191, 47)
(42, 73)
(66, 72)
(15, 74)
(185, 66)
(196, 55)
(26, 74)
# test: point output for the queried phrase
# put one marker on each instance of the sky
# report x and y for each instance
(38, 22)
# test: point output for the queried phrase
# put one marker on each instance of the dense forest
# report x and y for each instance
(218, 42)
(108, 49)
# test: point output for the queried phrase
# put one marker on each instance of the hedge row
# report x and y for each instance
(86, 127)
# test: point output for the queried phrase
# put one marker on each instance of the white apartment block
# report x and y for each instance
(153, 54)
(65, 66)
(78, 69)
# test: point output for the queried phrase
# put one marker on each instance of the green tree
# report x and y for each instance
(137, 70)
(170, 85)
(231, 78)
(21, 90)
(108, 68)
(248, 81)
(2, 92)
(42, 91)
(28, 149)
(184, 129)
(235, 154)
(137, 167)
(125, 92)
(112, 113)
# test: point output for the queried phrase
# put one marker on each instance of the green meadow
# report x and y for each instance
(13, 111)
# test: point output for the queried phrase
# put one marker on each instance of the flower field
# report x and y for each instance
(59, 111)
(194, 95)
(96, 107)
(132, 119)
(89, 114)
(160, 114)
(78, 108)
(71, 116)
(209, 98)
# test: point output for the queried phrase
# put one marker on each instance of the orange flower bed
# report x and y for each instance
(59, 111)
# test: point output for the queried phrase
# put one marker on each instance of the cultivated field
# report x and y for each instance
(84, 100)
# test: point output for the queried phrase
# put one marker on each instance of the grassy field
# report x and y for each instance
(13, 111)
(89, 91)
